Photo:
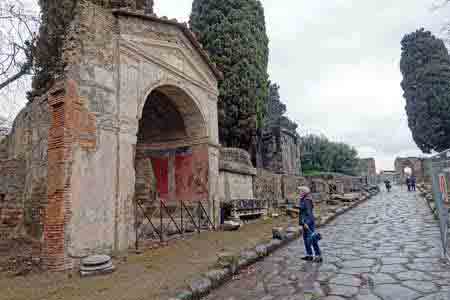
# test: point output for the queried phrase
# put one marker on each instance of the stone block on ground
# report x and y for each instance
(217, 276)
(184, 295)
(250, 255)
(200, 287)
(231, 225)
(261, 250)
(278, 233)
(227, 260)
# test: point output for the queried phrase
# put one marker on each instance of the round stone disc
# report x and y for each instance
(95, 260)
(92, 268)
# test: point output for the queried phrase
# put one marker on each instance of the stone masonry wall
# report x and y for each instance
(26, 145)
(268, 186)
(12, 182)
(290, 186)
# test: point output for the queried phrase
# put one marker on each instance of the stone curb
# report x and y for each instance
(339, 213)
(211, 280)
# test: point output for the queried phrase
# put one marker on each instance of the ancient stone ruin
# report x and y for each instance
(280, 140)
(137, 100)
(368, 171)
(415, 164)
(118, 144)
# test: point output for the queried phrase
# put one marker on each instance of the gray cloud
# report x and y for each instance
(337, 63)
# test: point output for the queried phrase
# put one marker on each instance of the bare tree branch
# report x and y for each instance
(18, 27)
(19, 24)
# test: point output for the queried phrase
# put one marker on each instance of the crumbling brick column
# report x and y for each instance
(69, 121)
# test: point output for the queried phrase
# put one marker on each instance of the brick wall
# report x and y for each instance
(70, 124)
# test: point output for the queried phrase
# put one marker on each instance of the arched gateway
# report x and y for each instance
(410, 166)
(135, 117)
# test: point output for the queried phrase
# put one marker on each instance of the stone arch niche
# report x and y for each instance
(171, 161)
(415, 164)
(136, 87)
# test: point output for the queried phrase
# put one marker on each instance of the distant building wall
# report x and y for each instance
(367, 169)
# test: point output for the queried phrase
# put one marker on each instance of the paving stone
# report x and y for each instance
(393, 260)
(396, 258)
(380, 278)
(413, 275)
(355, 271)
(425, 287)
(395, 292)
(342, 290)
(358, 263)
(367, 297)
(343, 279)
(437, 296)
(392, 269)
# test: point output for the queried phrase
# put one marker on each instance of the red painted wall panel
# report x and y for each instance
(161, 171)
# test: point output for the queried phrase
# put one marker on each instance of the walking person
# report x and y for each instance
(413, 183)
(310, 237)
(408, 183)
(387, 183)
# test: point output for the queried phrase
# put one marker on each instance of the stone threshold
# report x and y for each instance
(207, 282)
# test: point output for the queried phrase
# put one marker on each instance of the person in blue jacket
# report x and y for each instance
(308, 223)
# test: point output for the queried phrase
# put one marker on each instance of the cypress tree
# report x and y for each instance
(234, 34)
(425, 65)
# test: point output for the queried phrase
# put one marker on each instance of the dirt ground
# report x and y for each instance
(155, 274)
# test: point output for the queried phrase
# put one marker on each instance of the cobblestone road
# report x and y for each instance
(387, 248)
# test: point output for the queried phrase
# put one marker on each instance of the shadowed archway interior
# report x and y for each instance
(171, 161)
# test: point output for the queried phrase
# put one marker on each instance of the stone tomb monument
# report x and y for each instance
(138, 96)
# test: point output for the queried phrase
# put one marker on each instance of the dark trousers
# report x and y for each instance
(308, 241)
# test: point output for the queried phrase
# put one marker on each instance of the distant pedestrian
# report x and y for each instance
(310, 237)
(388, 185)
(408, 183)
(413, 183)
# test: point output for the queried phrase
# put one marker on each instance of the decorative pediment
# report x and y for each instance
(173, 57)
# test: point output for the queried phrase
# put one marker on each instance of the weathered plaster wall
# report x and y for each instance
(123, 58)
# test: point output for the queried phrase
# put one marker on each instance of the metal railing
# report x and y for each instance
(155, 218)
(438, 170)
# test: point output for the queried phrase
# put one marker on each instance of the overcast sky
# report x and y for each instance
(337, 62)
